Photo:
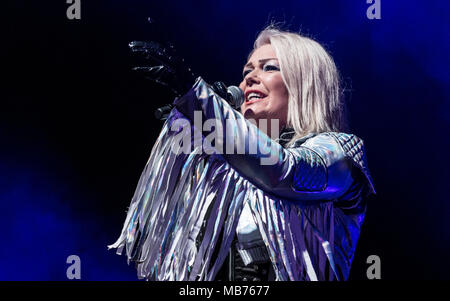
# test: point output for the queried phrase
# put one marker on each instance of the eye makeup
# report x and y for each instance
(270, 64)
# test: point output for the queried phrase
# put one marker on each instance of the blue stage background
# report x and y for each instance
(77, 126)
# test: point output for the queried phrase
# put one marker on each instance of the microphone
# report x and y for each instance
(235, 97)
(232, 94)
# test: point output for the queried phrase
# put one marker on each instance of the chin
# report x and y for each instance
(253, 111)
(251, 114)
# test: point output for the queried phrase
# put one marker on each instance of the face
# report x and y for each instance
(266, 96)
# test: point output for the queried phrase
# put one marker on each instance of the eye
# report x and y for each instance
(271, 68)
(244, 74)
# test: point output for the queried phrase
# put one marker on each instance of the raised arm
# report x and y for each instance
(319, 169)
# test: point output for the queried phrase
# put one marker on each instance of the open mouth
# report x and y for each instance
(254, 96)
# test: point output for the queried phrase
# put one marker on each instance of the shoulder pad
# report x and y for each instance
(354, 148)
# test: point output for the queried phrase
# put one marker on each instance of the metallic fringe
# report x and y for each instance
(184, 213)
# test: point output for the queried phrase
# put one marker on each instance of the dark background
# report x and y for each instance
(77, 126)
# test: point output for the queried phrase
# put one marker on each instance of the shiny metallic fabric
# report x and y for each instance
(306, 208)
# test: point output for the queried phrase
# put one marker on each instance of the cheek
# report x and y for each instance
(242, 87)
(279, 103)
(279, 85)
(280, 93)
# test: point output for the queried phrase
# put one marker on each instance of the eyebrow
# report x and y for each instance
(260, 61)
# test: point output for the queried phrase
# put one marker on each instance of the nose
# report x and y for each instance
(252, 78)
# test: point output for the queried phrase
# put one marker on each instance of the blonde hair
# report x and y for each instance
(315, 98)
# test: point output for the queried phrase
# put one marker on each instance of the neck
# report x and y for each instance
(271, 127)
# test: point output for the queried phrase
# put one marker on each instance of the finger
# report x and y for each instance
(140, 44)
(160, 70)
(151, 50)
(160, 74)
(149, 47)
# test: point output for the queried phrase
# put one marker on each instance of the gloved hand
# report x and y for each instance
(163, 66)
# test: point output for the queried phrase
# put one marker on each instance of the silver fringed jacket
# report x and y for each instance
(211, 181)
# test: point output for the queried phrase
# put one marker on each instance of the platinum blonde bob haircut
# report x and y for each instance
(315, 102)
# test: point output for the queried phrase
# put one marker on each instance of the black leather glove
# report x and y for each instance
(163, 66)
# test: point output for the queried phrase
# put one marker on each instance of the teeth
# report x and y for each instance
(254, 95)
